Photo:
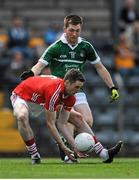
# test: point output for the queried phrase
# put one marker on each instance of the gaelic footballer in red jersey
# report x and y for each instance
(47, 90)
(50, 92)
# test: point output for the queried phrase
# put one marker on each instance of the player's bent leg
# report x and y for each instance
(106, 155)
(26, 132)
(80, 125)
(77, 120)
(85, 111)
(82, 106)
(22, 117)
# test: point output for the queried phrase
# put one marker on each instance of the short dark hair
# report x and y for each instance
(74, 75)
(72, 19)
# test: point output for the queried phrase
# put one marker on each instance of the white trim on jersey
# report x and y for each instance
(70, 60)
(98, 58)
(96, 61)
(42, 57)
(43, 61)
(54, 98)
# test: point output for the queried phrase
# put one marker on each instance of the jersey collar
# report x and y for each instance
(64, 40)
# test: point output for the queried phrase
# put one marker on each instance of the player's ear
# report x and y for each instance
(64, 29)
(67, 82)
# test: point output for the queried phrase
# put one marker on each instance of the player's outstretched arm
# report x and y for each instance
(51, 120)
(105, 75)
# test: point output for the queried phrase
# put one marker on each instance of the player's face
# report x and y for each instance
(72, 88)
(72, 33)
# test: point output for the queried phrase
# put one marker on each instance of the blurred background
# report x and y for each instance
(112, 26)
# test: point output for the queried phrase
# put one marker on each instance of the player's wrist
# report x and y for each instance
(31, 72)
(114, 88)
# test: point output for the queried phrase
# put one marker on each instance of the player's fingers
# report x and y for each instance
(72, 157)
(82, 155)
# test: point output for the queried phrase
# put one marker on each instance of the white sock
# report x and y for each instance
(104, 154)
(98, 148)
(32, 149)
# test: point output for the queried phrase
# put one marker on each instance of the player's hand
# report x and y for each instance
(114, 94)
(80, 154)
(26, 74)
(70, 154)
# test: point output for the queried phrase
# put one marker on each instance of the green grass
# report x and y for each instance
(54, 168)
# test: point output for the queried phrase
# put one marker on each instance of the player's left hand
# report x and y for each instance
(70, 154)
(114, 94)
(80, 154)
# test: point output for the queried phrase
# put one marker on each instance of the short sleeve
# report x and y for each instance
(92, 55)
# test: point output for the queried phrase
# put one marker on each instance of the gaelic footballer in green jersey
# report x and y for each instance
(61, 56)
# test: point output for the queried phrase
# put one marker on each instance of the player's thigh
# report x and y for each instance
(21, 111)
(20, 106)
(75, 118)
(86, 113)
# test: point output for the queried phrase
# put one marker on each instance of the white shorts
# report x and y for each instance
(80, 98)
(33, 108)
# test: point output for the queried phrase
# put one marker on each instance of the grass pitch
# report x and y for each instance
(54, 168)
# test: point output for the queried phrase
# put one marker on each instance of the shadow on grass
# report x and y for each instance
(72, 164)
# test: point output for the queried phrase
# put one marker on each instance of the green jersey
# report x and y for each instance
(61, 56)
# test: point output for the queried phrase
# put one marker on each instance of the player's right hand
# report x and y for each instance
(26, 74)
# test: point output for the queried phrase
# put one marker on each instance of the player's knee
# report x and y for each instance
(89, 121)
(22, 116)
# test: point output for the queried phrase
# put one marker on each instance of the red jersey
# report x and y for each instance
(45, 90)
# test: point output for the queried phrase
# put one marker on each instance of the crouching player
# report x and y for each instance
(52, 92)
